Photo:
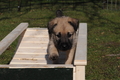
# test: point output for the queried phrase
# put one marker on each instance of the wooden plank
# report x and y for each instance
(35, 40)
(34, 61)
(35, 36)
(74, 73)
(30, 56)
(24, 58)
(30, 61)
(31, 50)
(37, 66)
(37, 57)
(12, 36)
(37, 29)
(30, 53)
(32, 45)
(81, 50)
(40, 66)
(4, 66)
(39, 42)
(36, 32)
(80, 73)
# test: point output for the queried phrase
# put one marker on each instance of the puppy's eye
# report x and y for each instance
(69, 34)
(58, 35)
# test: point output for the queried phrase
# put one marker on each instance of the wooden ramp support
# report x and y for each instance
(32, 50)
(81, 53)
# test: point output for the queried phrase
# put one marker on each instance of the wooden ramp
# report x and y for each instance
(33, 48)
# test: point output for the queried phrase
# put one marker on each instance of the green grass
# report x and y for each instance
(103, 36)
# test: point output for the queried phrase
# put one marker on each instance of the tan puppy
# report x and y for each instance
(62, 37)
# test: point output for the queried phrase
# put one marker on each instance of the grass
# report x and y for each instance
(103, 36)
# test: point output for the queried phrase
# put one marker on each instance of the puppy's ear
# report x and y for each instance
(51, 26)
(74, 23)
(59, 13)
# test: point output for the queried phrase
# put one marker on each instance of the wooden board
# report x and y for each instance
(40, 66)
(81, 50)
(12, 36)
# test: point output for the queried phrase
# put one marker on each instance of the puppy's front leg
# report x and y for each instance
(53, 53)
(70, 55)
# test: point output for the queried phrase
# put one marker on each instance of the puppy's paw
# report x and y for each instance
(53, 57)
(67, 62)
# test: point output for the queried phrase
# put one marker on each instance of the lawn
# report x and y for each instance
(103, 35)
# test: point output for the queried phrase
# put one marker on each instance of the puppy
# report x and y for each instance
(62, 37)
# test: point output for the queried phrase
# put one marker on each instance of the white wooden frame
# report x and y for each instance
(5, 43)
(80, 60)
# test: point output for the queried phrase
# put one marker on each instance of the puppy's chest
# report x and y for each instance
(62, 57)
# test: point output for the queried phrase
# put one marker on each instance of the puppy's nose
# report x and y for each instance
(64, 45)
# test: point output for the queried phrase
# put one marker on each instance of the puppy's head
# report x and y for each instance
(62, 31)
